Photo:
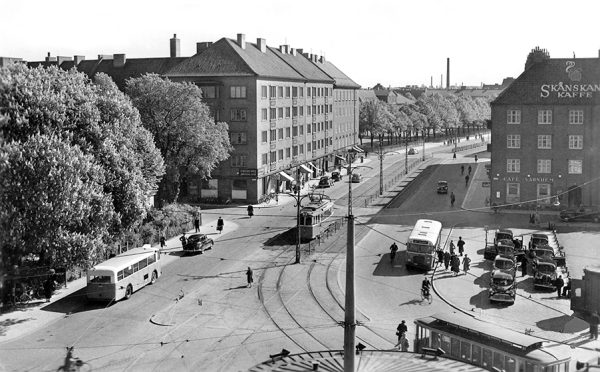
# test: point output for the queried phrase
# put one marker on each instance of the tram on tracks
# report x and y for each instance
(312, 216)
(488, 345)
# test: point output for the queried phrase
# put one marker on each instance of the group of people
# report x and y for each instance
(450, 259)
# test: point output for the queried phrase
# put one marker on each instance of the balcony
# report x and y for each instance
(273, 102)
(326, 99)
(314, 136)
(314, 118)
(295, 141)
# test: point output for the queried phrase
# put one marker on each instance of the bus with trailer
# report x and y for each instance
(422, 244)
(119, 277)
(489, 345)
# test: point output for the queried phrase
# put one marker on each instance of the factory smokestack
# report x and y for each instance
(447, 73)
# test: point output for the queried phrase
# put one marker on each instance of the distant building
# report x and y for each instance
(545, 134)
(286, 110)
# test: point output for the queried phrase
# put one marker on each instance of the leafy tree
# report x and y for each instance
(188, 138)
(373, 118)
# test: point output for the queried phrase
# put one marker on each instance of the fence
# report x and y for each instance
(330, 230)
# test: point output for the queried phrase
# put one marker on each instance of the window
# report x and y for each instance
(265, 159)
(576, 142)
(280, 154)
(314, 127)
(308, 146)
(273, 112)
(294, 111)
(280, 133)
(279, 92)
(288, 153)
(280, 112)
(237, 92)
(301, 110)
(272, 91)
(263, 92)
(143, 263)
(287, 92)
(301, 129)
(544, 141)
(295, 150)
(287, 132)
(238, 114)
(575, 166)
(273, 156)
(301, 92)
(302, 149)
(308, 110)
(273, 135)
(237, 138)
(264, 136)
(513, 117)
(575, 116)
(544, 165)
(308, 93)
(287, 112)
(294, 92)
(513, 165)
(294, 131)
(264, 114)
(307, 128)
(544, 116)
(239, 160)
(210, 92)
(151, 260)
(543, 192)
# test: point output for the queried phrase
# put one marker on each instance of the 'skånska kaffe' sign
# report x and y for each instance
(573, 89)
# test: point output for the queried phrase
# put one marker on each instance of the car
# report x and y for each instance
(412, 151)
(325, 181)
(336, 176)
(198, 243)
(502, 287)
(356, 177)
(442, 187)
(506, 264)
(581, 214)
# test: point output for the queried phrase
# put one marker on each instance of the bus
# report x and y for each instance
(488, 345)
(120, 276)
(422, 243)
(312, 215)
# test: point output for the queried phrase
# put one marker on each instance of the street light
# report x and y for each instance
(381, 155)
(423, 144)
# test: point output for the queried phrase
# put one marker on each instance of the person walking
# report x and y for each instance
(461, 245)
(220, 224)
(249, 277)
(49, 286)
(476, 158)
(469, 169)
(403, 343)
(446, 259)
(454, 156)
(566, 292)
(559, 284)
(455, 264)
(466, 264)
(467, 180)
(452, 247)
(462, 169)
(523, 265)
(401, 330)
(250, 211)
(197, 223)
(594, 321)
(440, 256)
(452, 199)
(163, 242)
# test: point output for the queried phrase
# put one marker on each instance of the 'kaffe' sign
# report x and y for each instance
(572, 89)
(528, 179)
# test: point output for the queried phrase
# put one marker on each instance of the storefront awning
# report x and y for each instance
(341, 158)
(357, 149)
(312, 165)
(304, 168)
(285, 175)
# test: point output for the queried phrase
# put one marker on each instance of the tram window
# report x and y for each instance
(499, 361)
(510, 364)
(476, 357)
(308, 220)
(530, 367)
(435, 340)
(465, 350)
(486, 361)
(455, 347)
(445, 344)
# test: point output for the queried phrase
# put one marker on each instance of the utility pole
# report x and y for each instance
(350, 316)
(406, 152)
(423, 144)
(380, 170)
(298, 216)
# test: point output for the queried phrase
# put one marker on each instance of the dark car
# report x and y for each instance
(412, 151)
(442, 187)
(582, 214)
(336, 176)
(198, 243)
(356, 177)
(325, 181)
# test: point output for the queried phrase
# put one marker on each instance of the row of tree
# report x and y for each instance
(79, 159)
(429, 115)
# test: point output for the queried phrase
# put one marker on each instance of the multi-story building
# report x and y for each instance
(287, 110)
(546, 134)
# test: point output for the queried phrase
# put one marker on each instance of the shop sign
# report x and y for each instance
(528, 179)
(573, 89)
(248, 172)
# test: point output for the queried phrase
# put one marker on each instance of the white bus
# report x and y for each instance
(422, 243)
(120, 276)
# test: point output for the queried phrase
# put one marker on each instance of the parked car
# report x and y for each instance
(412, 151)
(356, 177)
(502, 287)
(325, 181)
(336, 176)
(544, 273)
(442, 187)
(198, 243)
(581, 214)
(506, 264)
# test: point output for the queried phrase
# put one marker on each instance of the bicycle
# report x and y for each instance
(426, 295)
(265, 199)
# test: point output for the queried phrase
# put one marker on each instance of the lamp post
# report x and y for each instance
(381, 155)
(423, 144)
(349, 312)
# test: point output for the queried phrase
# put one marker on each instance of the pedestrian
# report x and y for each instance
(475, 158)
(455, 264)
(469, 169)
(523, 265)
(567, 288)
(452, 199)
(467, 180)
(462, 168)
(401, 330)
(49, 286)
(163, 242)
(183, 240)
(446, 259)
(393, 250)
(452, 247)
(197, 223)
(249, 277)
(594, 320)
(250, 211)
(440, 255)
(466, 264)
(461, 245)
(220, 225)
(403, 343)
(559, 284)
(454, 156)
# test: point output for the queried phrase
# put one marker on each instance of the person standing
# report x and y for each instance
(49, 286)
(466, 264)
(462, 169)
(452, 247)
(250, 211)
(440, 256)
(523, 265)
(393, 250)
(183, 240)
(452, 199)
(403, 343)
(559, 284)
(197, 223)
(567, 288)
(461, 245)
(455, 264)
(454, 156)
(594, 321)
(447, 259)
(249, 277)
(467, 180)
(401, 330)
(469, 169)
(163, 242)
(220, 224)
(476, 158)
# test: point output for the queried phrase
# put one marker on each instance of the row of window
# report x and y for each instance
(544, 166)
(544, 141)
(295, 111)
(272, 91)
(544, 116)
(122, 274)
(543, 192)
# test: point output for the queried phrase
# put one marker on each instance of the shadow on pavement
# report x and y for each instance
(9, 322)
(563, 323)
(385, 268)
(238, 287)
(482, 301)
(74, 303)
(483, 281)
(415, 301)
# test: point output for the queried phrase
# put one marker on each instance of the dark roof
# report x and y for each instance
(303, 66)
(558, 81)
(341, 80)
(366, 95)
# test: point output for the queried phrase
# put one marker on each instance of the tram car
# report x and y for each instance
(312, 216)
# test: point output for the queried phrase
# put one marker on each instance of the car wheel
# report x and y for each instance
(154, 277)
(128, 292)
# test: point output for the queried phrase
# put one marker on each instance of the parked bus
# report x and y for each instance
(488, 345)
(312, 215)
(422, 243)
(124, 274)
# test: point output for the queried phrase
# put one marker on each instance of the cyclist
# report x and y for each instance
(425, 285)
(393, 250)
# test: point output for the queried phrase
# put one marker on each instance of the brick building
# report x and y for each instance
(546, 134)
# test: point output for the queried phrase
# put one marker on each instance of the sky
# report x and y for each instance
(394, 43)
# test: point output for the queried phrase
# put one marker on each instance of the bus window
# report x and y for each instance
(445, 345)
(151, 259)
(465, 351)
(510, 364)
(455, 347)
(143, 263)
(128, 271)
(499, 361)
(486, 360)
(99, 279)
(136, 267)
(120, 275)
(476, 357)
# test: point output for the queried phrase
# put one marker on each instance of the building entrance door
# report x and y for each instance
(574, 196)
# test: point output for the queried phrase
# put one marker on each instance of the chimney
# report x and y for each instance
(261, 44)
(322, 59)
(201, 47)
(175, 50)
(105, 56)
(447, 73)
(119, 60)
(281, 48)
(241, 40)
(293, 51)
(441, 81)
(61, 59)
(50, 59)
(300, 51)
(78, 59)
(431, 84)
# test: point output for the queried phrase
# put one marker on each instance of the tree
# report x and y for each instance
(188, 138)
(373, 118)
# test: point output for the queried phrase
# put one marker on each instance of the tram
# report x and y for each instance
(312, 216)
(489, 346)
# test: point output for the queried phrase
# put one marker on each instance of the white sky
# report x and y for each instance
(394, 43)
